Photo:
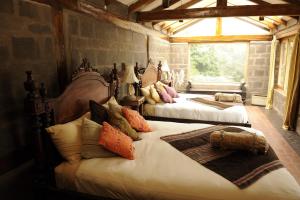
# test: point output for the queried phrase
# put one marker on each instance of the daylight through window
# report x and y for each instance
(218, 62)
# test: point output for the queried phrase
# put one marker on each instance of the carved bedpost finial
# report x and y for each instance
(43, 91)
(30, 86)
(159, 72)
(115, 78)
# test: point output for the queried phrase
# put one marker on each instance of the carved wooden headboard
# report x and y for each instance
(87, 84)
(151, 75)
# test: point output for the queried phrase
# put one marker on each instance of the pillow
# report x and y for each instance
(116, 119)
(171, 91)
(116, 141)
(146, 93)
(154, 94)
(67, 138)
(136, 120)
(165, 96)
(159, 86)
(99, 113)
(111, 100)
(90, 137)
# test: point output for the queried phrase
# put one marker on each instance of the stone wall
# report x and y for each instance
(27, 42)
(257, 72)
(279, 101)
(179, 57)
(159, 49)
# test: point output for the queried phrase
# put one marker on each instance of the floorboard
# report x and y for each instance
(270, 123)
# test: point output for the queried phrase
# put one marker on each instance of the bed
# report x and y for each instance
(158, 172)
(187, 111)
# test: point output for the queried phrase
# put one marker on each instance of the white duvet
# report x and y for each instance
(161, 172)
(187, 109)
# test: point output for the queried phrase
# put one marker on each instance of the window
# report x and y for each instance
(286, 47)
(218, 62)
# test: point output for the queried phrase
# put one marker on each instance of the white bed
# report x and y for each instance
(161, 172)
(187, 109)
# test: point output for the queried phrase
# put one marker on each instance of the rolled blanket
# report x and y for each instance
(239, 141)
(228, 97)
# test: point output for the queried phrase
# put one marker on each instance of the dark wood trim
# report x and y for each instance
(221, 3)
(195, 121)
(260, 2)
(138, 5)
(295, 2)
(231, 11)
(15, 159)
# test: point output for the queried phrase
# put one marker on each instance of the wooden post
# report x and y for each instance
(219, 26)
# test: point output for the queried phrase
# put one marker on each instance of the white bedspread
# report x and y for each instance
(186, 109)
(161, 172)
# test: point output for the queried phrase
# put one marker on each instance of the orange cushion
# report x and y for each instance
(136, 120)
(116, 141)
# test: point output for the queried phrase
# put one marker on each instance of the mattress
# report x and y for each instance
(161, 172)
(186, 109)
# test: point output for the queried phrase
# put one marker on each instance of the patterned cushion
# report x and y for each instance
(90, 137)
(116, 141)
(146, 93)
(171, 91)
(165, 97)
(154, 94)
(67, 138)
(116, 119)
(99, 113)
(136, 120)
(111, 100)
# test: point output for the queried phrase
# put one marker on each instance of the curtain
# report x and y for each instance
(292, 98)
(274, 45)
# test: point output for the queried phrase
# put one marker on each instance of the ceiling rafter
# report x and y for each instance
(269, 24)
(185, 25)
(297, 2)
(139, 5)
(232, 11)
(260, 2)
(255, 23)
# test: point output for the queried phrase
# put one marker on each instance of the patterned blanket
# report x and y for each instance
(215, 104)
(240, 167)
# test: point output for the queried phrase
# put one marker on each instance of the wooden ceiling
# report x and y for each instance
(275, 12)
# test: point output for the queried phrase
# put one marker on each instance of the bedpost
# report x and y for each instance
(33, 106)
(114, 78)
(159, 71)
(138, 75)
(244, 92)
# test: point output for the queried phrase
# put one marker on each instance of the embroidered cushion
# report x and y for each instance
(116, 119)
(67, 138)
(116, 141)
(154, 94)
(165, 97)
(146, 93)
(136, 120)
(171, 91)
(99, 113)
(90, 147)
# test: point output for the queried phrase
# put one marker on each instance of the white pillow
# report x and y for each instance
(67, 138)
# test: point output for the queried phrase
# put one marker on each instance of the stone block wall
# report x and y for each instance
(257, 72)
(159, 50)
(179, 57)
(27, 42)
(279, 101)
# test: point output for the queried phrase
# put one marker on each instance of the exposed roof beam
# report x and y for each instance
(221, 3)
(260, 2)
(255, 23)
(277, 20)
(221, 38)
(185, 25)
(138, 5)
(269, 24)
(172, 2)
(297, 2)
(232, 11)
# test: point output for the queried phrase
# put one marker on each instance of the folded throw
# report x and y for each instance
(228, 97)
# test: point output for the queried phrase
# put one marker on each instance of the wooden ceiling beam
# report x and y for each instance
(269, 24)
(221, 3)
(296, 2)
(255, 23)
(221, 38)
(277, 20)
(172, 2)
(260, 2)
(231, 11)
(138, 5)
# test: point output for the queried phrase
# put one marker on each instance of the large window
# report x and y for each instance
(286, 47)
(218, 62)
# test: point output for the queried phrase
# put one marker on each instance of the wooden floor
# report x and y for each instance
(261, 120)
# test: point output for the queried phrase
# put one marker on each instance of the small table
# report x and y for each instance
(136, 104)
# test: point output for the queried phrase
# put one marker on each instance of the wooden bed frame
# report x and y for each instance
(149, 76)
(42, 112)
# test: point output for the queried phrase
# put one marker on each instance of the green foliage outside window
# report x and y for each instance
(218, 62)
